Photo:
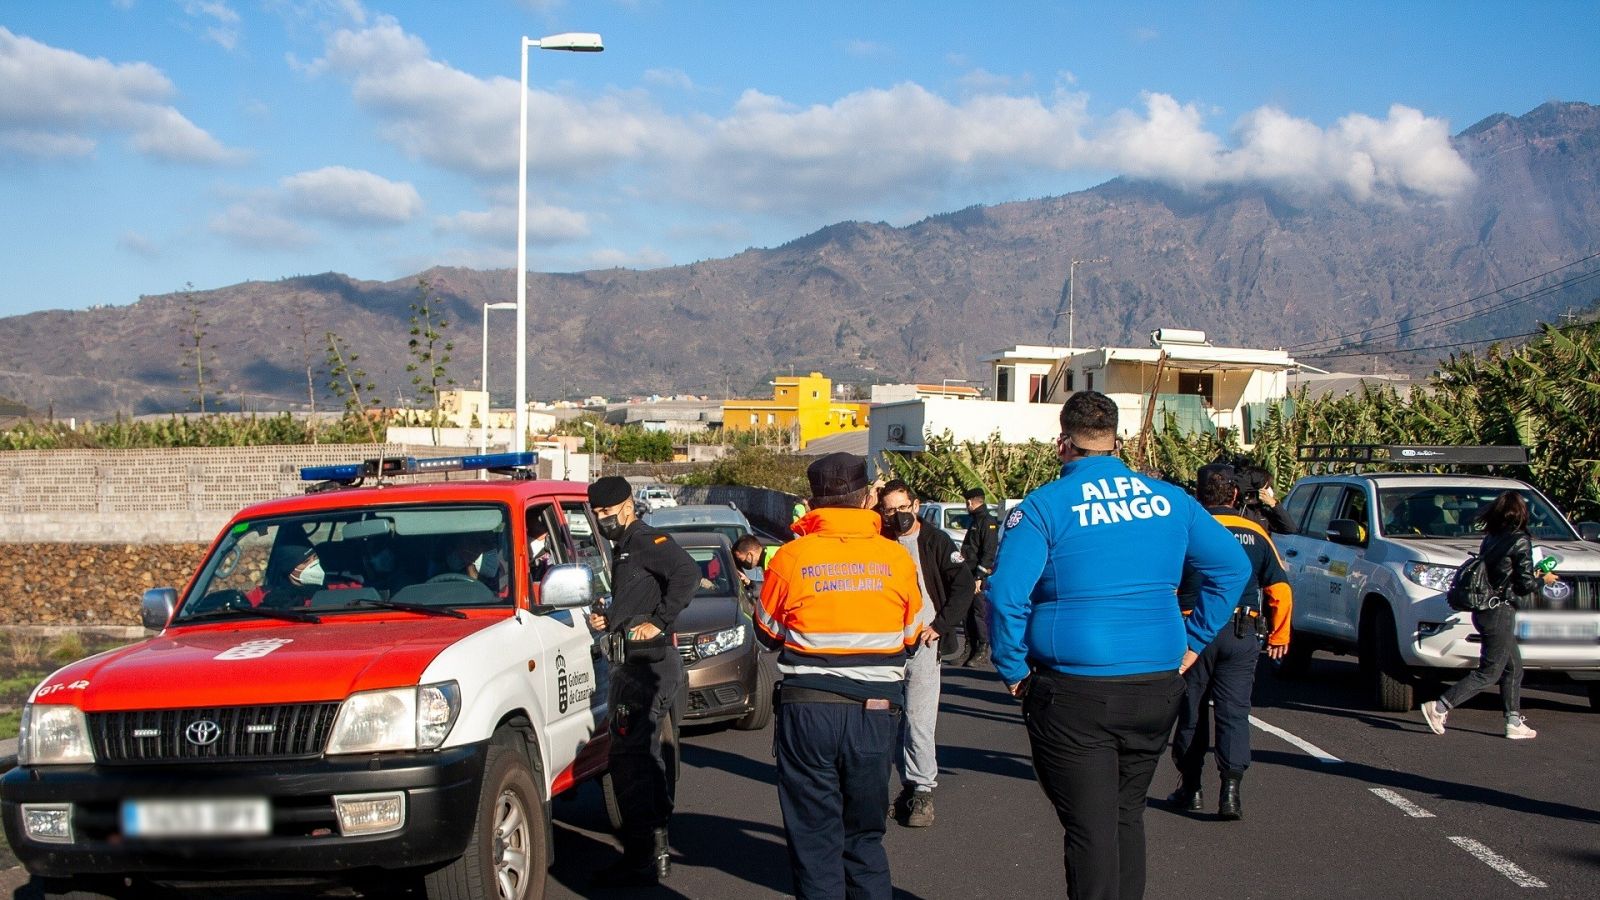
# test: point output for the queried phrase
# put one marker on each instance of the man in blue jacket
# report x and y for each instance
(1085, 628)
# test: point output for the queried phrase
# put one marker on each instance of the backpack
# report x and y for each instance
(1470, 590)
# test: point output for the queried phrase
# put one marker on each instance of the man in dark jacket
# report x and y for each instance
(653, 579)
(946, 584)
(979, 548)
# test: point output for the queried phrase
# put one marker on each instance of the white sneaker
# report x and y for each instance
(1517, 729)
(1434, 715)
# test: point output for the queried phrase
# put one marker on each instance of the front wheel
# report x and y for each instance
(1393, 688)
(760, 700)
(507, 855)
(78, 889)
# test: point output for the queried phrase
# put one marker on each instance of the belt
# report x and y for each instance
(812, 695)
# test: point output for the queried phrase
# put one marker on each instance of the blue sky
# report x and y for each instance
(145, 144)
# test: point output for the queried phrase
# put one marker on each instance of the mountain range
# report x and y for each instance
(870, 302)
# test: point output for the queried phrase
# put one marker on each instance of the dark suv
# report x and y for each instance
(730, 675)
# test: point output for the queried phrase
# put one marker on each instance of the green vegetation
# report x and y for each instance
(760, 467)
(27, 657)
(193, 431)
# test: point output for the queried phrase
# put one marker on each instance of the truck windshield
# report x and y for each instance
(1453, 512)
(351, 560)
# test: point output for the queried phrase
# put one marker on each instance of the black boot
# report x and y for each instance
(1229, 807)
(979, 656)
(638, 866)
(1187, 797)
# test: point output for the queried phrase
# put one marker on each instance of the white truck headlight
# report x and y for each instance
(714, 642)
(1430, 576)
(53, 734)
(408, 718)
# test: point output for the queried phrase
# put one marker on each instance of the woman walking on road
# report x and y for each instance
(1507, 554)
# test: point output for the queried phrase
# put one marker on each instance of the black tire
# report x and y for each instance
(508, 855)
(1393, 687)
(1296, 663)
(760, 713)
(669, 755)
(608, 790)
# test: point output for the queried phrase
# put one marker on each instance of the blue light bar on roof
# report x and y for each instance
(411, 465)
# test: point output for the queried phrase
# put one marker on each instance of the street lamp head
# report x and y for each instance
(576, 41)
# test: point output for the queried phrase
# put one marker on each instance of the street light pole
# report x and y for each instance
(483, 379)
(576, 41)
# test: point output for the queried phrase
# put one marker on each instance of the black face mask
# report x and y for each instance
(743, 566)
(898, 523)
(610, 529)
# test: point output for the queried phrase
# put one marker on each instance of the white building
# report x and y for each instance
(1204, 388)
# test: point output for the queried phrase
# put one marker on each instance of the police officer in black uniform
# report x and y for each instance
(1226, 672)
(1255, 500)
(653, 579)
(978, 548)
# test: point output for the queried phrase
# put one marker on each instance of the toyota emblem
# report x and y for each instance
(203, 733)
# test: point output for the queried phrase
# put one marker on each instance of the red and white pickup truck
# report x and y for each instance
(362, 684)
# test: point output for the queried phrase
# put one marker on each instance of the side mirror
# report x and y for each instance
(1589, 531)
(566, 587)
(155, 610)
(1348, 532)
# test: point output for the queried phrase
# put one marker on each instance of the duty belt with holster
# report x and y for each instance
(1247, 620)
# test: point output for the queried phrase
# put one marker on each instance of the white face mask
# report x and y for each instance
(536, 547)
(487, 564)
(308, 573)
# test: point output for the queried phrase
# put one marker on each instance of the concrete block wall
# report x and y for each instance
(175, 495)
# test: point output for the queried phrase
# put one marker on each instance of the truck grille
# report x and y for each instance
(1585, 596)
(212, 734)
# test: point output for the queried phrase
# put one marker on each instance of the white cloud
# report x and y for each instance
(611, 257)
(903, 147)
(252, 228)
(546, 224)
(675, 79)
(139, 245)
(219, 21)
(55, 103)
(461, 122)
(351, 197)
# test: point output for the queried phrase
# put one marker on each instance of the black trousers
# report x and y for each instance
(644, 712)
(1499, 659)
(978, 622)
(1096, 743)
(1225, 673)
(833, 785)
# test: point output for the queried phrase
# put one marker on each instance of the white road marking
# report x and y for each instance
(1498, 863)
(1321, 755)
(1406, 806)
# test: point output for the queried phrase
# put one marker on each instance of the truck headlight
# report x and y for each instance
(714, 642)
(53, 734)
(409, 718)
(1430, 576)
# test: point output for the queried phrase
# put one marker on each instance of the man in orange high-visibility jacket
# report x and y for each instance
(840, 603)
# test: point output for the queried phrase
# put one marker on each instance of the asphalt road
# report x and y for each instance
(1378, 806)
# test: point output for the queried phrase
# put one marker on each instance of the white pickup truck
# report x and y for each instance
(1375, 553)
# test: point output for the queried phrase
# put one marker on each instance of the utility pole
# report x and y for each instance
(1072, 272)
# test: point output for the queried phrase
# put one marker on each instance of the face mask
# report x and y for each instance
(742, 564)
(535, 547)
(610, 529)
(310, 576)
(487, 565)
(898, 523)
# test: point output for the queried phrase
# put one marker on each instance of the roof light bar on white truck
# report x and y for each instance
(1414, 454)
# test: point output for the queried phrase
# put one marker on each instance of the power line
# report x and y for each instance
(1334, 341)
(1388, 350)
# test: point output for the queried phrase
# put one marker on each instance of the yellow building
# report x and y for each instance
(802, 403)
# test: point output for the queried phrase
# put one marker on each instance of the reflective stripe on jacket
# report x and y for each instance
(842, 599)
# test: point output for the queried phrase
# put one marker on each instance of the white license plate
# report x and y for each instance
(1563, 629)
(238, 817)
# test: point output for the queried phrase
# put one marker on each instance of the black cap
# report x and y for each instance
(973, 494)
(609, 491)
(837, 474)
